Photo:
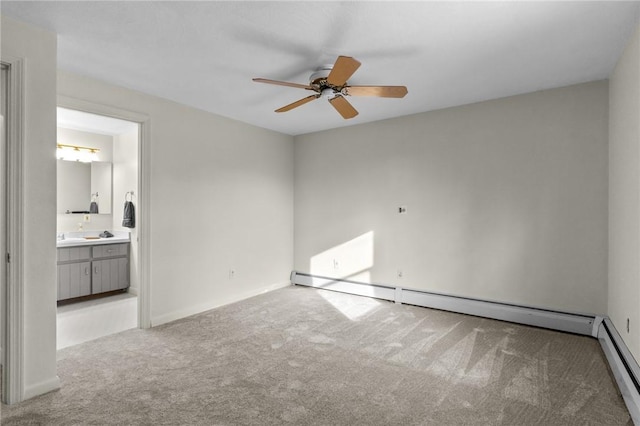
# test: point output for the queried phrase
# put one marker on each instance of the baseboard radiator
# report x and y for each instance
(625, 368)
(623, 365)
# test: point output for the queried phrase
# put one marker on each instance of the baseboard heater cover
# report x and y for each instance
(569, 322)
(623, 366)
(622, 363)
(344, 286)
(572, 323)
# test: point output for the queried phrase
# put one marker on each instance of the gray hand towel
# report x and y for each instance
(129, 216)
(93, 208)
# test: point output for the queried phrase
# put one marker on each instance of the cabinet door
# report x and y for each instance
(122, 280)
(110, 274)
(101, 276)
(74, 280)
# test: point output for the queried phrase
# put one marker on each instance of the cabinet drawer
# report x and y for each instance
(110, 250)
(72, 254)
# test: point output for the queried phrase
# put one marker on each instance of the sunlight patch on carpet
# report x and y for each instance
(351, 307)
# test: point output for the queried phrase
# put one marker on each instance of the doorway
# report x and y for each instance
(142, 198)
(97, 170)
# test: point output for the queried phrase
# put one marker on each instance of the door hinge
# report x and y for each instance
(8, 257)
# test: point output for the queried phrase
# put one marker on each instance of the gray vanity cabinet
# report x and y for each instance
(87, 270)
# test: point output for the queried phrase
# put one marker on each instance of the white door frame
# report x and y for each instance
(13, 344)
(144, 199)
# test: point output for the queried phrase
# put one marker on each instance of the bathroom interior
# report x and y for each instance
(96, 229)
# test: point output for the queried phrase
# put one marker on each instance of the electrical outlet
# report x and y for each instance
(87, 218)
(232, 274)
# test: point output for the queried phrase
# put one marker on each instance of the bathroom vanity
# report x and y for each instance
(88, 265)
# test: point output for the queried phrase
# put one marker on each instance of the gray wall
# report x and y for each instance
(506, 200)
(624, 196)
(38, 49)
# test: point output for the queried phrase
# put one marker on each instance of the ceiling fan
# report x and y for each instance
(330, 82)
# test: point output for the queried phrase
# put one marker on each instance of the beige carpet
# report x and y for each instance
(304, 356)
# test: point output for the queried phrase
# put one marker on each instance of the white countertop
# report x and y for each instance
(73, 239)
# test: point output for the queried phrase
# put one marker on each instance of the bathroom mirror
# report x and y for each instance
(78, 184)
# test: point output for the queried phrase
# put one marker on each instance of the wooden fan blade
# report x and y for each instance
(343, 106)
(283, 83)
(344, 68)
(298, 103)
(381, 91)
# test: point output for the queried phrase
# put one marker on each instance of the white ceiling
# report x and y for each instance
(205, 53)
(86, 122)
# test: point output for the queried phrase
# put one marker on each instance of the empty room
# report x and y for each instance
(320, 213)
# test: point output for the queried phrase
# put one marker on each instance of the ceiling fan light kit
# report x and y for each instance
(330, 82)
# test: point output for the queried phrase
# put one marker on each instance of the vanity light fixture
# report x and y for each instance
(76, 153)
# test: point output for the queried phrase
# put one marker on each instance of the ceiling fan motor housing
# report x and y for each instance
(321, 74)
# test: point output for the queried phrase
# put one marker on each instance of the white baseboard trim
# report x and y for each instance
(203, 307)
(42, 387)
(537, 317)
(623, 365)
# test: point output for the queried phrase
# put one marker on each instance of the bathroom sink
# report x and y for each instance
(83, 241)
(86, 240)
